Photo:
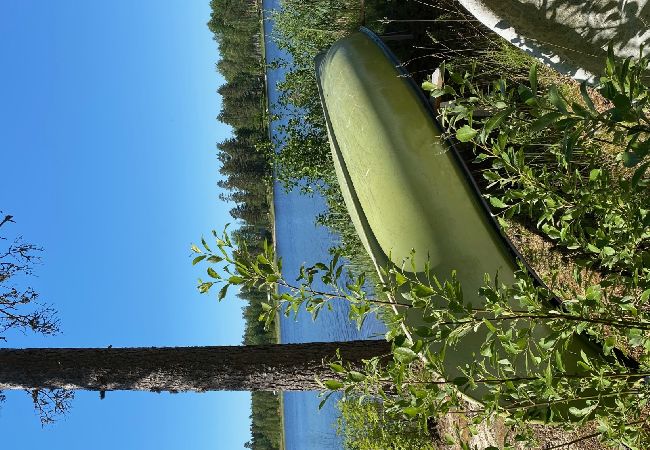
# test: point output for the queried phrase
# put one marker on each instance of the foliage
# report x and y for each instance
(557, 160)
(522, 369)
(548, 157)
(247, 171)
(263, 272)
(265, 421)
(304, 29)
(365, 425)
(524, 134)
(574, 163)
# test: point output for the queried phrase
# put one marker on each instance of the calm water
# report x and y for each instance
(299, 241)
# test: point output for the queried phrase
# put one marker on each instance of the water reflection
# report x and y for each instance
(300, 241)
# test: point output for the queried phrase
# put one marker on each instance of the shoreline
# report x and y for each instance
(271, 201)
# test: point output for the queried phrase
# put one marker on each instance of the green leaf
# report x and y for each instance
(449, 439)
(556, 99)
(400, 279)
(223, 291)
(422, 290)
(610, 62)
(428, 86)
(532, 78)
(548, 376)
(205, 287)
(545, 121)
(569, 143)
(551, 231)
(645, 296)
(526, 95)
(323, 401)
(639, 173)
(521, 438)
(466, 133)
(435, 92)
(460, 381)
(624, 72)
(558, 361)
(609, 344)
(333, 385)
(213, 273)
(399, 340)
(195, 249)
(356, 376)
(497, 203)
(586, 98)
(582, 412)
(622, 104)
(580, 110)
(215, 259)
(404, 355)
(198, 259)
(272, 278)
(489, 325)
(593, 248)
(593, 292)
(337, 368)
(486, 351)
(630, 159)
(411, 411)
(235, 279)
(496, 120)
(594, 174)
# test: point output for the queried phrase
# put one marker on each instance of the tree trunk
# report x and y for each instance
(283, 367)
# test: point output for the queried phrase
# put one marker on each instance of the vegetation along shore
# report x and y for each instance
(564, 167)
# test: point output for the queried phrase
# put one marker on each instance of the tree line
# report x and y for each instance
(246, 170)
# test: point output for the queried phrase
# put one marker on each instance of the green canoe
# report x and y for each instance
(406, 188)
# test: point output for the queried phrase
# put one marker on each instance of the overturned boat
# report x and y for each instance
(407, 188)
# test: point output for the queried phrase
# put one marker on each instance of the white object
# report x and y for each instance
(572, 37)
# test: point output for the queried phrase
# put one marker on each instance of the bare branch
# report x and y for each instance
(51, 404)
(19, 306)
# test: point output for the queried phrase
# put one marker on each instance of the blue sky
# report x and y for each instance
(107, 134)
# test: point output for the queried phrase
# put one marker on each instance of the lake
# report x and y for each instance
(299, 241)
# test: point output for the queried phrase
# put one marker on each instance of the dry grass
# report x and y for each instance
(496, 433)
(553, 266)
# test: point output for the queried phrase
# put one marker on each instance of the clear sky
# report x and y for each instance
(108, 132)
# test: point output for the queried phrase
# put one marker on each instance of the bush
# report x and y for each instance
(365, 425)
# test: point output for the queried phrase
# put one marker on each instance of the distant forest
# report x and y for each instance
(245, 163)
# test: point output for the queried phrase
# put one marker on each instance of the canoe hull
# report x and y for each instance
(406, 188)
